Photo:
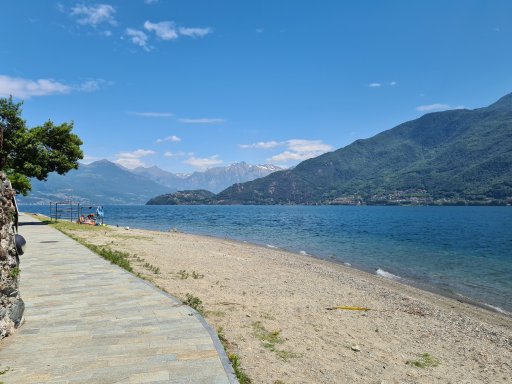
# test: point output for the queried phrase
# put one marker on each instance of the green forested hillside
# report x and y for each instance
(199, 196)
(457, 156)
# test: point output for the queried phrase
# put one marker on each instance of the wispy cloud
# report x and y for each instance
(133, 159)
(382, 84)
(27, 88)
(262, 145)
(302, 146)
(288, 156)
(138, 37)
(203, 163)
(177, 154)
(169, 138)
(94, 15)
(260, 30)
(298, 150)
(437, 107)
(294, 149)
(195, 32)
(152, 114)
(150, 1)
(165, 30)
(203, 120)
(93, 85)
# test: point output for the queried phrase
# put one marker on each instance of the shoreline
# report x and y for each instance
(274, 309)
(424, 287)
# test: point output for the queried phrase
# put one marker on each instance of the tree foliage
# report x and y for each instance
(35, 152)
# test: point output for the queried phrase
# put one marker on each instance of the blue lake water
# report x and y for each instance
(459, 251)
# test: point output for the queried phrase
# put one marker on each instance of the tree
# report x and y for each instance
(35, 152)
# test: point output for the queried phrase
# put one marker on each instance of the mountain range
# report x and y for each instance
(452, 157)
(104, 182)
(214, 179)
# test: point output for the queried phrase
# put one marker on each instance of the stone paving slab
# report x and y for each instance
(88, 321)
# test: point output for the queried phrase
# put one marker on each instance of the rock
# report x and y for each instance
(356, 348)
(16, 312)
(11, 304)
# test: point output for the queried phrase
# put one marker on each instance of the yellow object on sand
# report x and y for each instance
(349, 308)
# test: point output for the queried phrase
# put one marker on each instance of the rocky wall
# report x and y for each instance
(11, 304)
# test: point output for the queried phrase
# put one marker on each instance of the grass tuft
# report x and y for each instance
(269, 340)
(425, 361)
(240, 375)
(194, 302)
(152, 268)
(13, 274)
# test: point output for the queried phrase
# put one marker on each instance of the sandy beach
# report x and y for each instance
(272, 307)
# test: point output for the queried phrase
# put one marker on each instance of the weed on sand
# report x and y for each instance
(233, 358)
(269, 340)
(425, 361)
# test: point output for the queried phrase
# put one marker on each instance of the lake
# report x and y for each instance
(463, 252)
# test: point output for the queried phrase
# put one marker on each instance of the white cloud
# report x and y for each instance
(132, 159)
(169, 138)
(382, 84)
(138, 38)
(175, 154)
(437, 107)
(195, 32)
(262, 145)
(92, 85)
(203, 120)
(287, 156)
(300, 146)
(299, 149)
(203, 163)
(150, 1)
(94, 15)
(295, 149)
(260, 30)
(165, 30)
(136, 154)
(152, 114)
(26, 88)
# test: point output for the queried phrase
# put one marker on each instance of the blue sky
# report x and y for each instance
(187, 85)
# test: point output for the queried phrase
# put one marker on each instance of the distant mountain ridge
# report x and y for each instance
(214, 179)
(104, 182)
(457, 156)
(101, 182)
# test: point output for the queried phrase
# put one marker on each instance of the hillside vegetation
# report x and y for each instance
(452, 157)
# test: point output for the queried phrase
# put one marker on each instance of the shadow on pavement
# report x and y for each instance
(21, 224)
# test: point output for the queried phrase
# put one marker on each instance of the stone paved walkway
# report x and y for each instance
(87, 321)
